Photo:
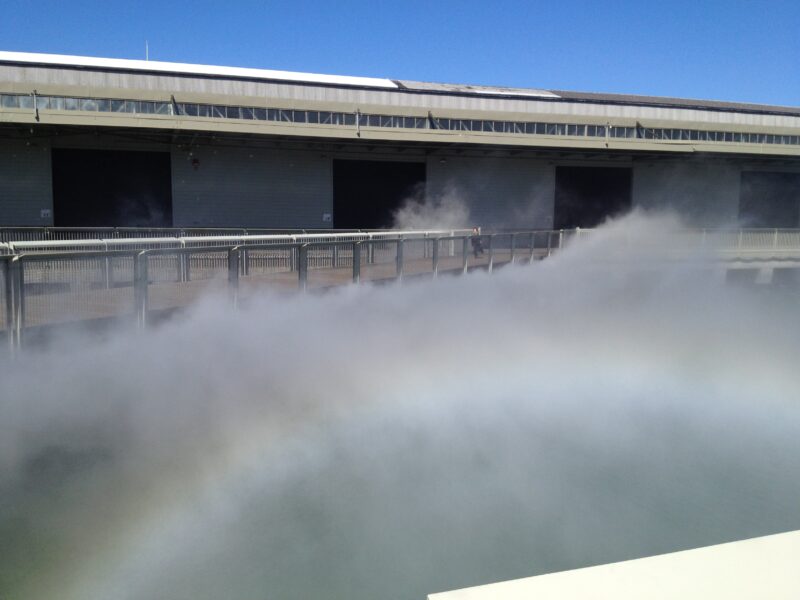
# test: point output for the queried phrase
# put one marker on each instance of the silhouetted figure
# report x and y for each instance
(477, 244)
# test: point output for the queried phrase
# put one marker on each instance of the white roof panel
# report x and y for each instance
(187, 69)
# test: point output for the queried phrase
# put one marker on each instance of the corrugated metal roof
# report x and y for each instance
(455, 88)
(676, 102)
(370, 83)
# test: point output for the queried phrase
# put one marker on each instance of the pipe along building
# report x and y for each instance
(106, 142)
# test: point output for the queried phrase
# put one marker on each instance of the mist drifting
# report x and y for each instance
(394, 441)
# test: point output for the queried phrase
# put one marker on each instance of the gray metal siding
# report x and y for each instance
(25, 184)
(499, 192)
(704, 194)
(234, 187)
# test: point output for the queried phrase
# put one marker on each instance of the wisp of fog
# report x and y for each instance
(445, 211)
(393, 441)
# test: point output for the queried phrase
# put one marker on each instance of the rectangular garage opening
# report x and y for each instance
(366, 193)
(586, 196)
(769, 199)
(111, 188)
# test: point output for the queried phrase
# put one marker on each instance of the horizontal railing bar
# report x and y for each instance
(37, 256)
(209, 239)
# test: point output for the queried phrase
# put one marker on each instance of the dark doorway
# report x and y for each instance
(366, 193)
(586, 196)
(112, 188)
(769, 199)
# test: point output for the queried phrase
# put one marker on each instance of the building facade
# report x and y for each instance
(106, 142)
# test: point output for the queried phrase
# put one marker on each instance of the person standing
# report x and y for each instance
(477, 243)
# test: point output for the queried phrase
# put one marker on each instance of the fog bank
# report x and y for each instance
(399, 440)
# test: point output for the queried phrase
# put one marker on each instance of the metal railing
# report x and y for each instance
(41, 289)
(64, 239)
(13, 235)
(197, 241)
(21, 234)
(48, 288)
(748, 239)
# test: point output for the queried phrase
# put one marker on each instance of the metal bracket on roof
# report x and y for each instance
(35, 106)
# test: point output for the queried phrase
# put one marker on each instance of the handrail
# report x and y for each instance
(16, 246)
(386, 256)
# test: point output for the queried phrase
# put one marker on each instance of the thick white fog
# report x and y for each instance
(388, 442)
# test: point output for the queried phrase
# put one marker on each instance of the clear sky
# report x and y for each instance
(734, 50)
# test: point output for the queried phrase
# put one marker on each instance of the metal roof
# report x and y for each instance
(676, 102)
(372, 83)
(455, 88)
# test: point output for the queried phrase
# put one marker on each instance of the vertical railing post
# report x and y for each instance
(183, 265)
(533, 246)
(233, 276)
(356, 262)
(8, 296)
(490, 266)
(399, 259)
(513, 239)
(140, 282)
(15, 302)
(435, 256)
(107, 265)
(187, 265)
(464, 254)
(302, 267)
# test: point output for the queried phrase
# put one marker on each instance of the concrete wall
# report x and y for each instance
(26, 196)
(281, 188)
(499, 192)
(706, 194)
(238, 187)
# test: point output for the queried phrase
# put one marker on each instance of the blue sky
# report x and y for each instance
(728, 50)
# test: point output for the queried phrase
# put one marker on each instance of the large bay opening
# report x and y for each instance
(111, 188)
(366, 193)
(587, 196)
